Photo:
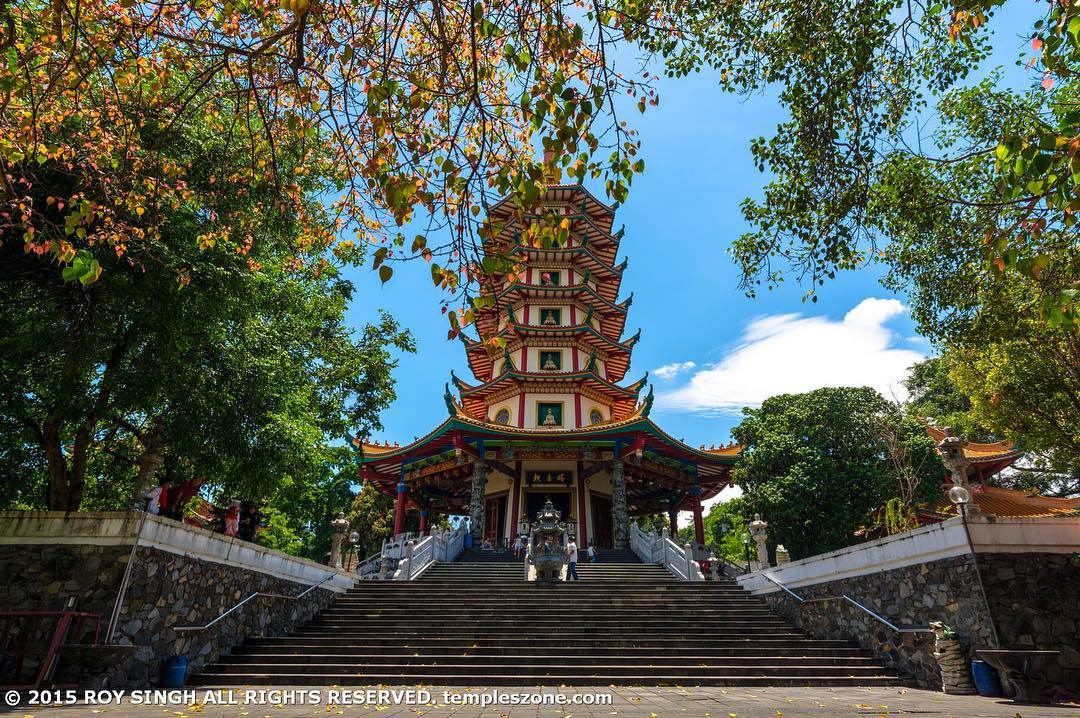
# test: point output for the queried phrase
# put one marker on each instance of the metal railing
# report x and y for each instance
(849, 599)
(309, 589)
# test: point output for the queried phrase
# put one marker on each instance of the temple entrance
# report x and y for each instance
(534, 502)
(494, 519)
(600, 529)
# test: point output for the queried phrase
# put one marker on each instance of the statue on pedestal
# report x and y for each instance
(338, 528)
(757, 531)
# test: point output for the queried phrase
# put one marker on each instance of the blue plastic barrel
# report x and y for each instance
(986, 678)
(175, 673)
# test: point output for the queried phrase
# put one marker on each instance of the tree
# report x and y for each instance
(815, 467)
(1021, 394)
(934, 397)
(1027, 390)
(408, 112)
(727, 542)
(301, 507)
(885, 127)
(228, 358)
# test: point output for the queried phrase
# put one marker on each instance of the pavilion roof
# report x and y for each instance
(599, 213)
(982, 453)
(585, 336)
(612, 321)
(1000, 501)
(389, 460)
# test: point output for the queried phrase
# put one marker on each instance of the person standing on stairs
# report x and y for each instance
(571, 564)
(518, 547)
(592, 553)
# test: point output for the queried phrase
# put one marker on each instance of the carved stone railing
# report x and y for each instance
(368, 569)
(419, 555)
(679, 560)
(449, 544)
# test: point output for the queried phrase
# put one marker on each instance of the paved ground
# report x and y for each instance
(627, 702)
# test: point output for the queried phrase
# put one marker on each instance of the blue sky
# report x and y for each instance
(681, 217)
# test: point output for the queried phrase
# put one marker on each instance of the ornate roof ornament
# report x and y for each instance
(646, 407)
(457, 382)
(451, 406)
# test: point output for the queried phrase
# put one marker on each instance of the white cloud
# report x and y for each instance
(668, 371)
(791, 353)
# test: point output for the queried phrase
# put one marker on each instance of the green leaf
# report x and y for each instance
(385, 272)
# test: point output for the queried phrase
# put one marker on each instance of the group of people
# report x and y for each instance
(170, 501)
(240, 519)
(571, 550)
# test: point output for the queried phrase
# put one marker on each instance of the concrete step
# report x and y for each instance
(478, 633)
(792, 641)
(213, 677)
(529, 669)
(549, 658)
(478, 623)
(292, 651)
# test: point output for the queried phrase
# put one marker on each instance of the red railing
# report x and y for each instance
(20, 634)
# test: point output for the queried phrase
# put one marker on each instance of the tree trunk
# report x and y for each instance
(153, 455)
(56, 492)
(67, 477)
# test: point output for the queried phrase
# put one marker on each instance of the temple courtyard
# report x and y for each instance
(631, 702)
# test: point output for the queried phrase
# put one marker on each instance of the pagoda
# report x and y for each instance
(548, 413)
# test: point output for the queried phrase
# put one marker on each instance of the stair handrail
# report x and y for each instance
(642, 543)
(394, 547)
(309, 589)
(675, 559)
(419, 555)
(449, 545)
(844, 597)
(368, 569)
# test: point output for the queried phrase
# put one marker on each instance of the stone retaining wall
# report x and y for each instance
(1034, 599)
(999, 582)
(911, 596)
(165, 589)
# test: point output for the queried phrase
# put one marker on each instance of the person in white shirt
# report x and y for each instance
(156, 498)
(592, 553)
(518, 546)
(571, 554)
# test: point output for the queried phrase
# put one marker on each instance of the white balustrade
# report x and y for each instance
(418, 556)
(651, 548)
(368, 569)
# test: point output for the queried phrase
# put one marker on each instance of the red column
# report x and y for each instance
(399, 507)
(515, 507)
(423, 521)
(699, 520)
(582, 522)
(673, 521)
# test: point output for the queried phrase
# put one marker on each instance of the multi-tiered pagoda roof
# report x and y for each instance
(549, 367)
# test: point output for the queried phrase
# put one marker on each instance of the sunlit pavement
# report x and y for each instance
(631, 702)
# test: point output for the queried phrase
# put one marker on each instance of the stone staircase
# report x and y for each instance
(477, 622)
